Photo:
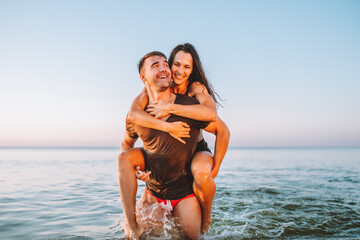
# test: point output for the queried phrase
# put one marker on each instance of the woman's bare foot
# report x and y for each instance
(205, 224)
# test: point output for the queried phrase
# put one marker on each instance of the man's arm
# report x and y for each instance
(130, 136)
(128, 142)
(222, 133)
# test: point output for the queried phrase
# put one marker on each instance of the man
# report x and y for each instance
(167, 159)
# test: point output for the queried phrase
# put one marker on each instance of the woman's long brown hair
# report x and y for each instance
(198, 74)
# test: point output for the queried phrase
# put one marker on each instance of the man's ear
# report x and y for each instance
(142, 77)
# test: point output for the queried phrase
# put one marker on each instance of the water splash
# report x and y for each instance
(157, 220)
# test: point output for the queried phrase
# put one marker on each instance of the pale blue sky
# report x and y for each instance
(288, 70)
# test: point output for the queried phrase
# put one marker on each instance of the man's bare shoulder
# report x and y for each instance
(143, 96)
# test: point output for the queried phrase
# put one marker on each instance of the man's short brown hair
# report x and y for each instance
(150, 54)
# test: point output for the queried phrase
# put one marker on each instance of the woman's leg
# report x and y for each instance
(204, 186)
(128, 188)
(189, 213)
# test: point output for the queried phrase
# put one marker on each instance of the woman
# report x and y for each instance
(188, 78)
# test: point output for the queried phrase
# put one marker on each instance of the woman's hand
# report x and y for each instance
(214, 172)
(159, 109)
(178, 130)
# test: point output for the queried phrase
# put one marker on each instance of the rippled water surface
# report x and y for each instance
(300, 193)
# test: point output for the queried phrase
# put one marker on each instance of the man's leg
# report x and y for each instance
(152, 216)
(128, 187)
(189, 213)
(204, 186)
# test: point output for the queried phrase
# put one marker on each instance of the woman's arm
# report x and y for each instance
(222, 133)
(138, 116)
(205, 111)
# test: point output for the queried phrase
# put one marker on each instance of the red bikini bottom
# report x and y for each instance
(172, 202)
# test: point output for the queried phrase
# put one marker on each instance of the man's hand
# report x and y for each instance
(158, 109)
(143, 176)
(178, 130)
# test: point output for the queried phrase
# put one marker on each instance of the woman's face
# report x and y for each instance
(182, 67)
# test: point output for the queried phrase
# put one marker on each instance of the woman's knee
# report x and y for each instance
(131, 157)
(202, 160)
(201, 167)
(123, 158)
(202, 176)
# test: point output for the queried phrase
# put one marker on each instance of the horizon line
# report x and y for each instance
(118, 147)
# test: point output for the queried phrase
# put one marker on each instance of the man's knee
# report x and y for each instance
(193, 235)
(192, 231)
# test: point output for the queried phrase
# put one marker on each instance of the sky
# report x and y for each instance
(288, 71)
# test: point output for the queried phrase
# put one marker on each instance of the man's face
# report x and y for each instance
(157, 72)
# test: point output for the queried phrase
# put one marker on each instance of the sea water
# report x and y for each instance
(291, 193)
